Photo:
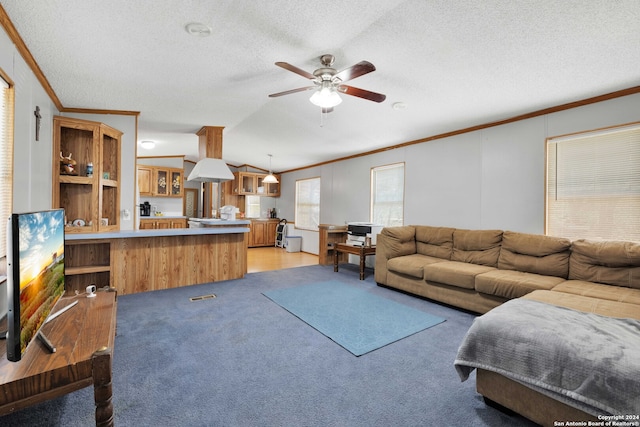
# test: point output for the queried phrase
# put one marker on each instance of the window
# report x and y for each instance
(307, 214)
(6, 156)
(252, 206)
(593, 184)
(387, 195)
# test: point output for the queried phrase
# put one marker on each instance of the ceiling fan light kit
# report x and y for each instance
(326, 96)
(328, 82)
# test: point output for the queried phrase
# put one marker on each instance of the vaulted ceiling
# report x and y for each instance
(445, 65)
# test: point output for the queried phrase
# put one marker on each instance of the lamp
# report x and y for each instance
(326, 96)
(148, 145)
(270, 179)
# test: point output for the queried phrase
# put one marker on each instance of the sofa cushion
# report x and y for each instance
(610, 262)
(599, 290)
(434, 241)
(480, 247)
(513, 284)
(534, 253)
(401, 240)
(454, 273)
(411, 265)
(599, 306)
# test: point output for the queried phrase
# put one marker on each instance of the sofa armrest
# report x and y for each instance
(390, 243)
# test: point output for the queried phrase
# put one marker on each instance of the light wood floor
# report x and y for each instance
(272, 258)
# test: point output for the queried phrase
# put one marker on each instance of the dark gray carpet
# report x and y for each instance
(241, 360)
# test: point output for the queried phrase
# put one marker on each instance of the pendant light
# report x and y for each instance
(270, 179)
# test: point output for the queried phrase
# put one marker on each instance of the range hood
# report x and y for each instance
(210, 170)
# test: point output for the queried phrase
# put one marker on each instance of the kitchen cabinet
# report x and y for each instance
(145, 180)
(156, 181)
(250, 183)
(263, 232)
(159, 223)
(161, 182)
(86, 174)
(175, 182)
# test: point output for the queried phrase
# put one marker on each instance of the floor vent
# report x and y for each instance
(202, 297)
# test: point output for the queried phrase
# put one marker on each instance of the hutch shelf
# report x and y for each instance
(89, 189)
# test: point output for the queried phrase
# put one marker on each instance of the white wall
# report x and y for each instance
(32, 160)
(491, 178)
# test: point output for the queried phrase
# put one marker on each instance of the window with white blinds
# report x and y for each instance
(307, 209)
(6, 157)
(252, 206)
(593, 185)
(387, 195)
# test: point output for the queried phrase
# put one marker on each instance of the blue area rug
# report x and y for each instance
(352, 317)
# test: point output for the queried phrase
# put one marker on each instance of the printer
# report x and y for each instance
(359, 233)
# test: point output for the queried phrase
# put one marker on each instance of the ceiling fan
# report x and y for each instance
(328, 83)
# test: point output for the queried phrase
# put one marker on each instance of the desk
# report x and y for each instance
(329, 235)
(84, 337)
(361, 251)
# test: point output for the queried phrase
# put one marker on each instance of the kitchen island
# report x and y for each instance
(133, 261)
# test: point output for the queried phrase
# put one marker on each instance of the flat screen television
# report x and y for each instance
(35, 275)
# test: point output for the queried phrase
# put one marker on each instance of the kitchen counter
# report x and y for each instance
(125, 234)
(163, 216)
(215, 222)
(133, 261)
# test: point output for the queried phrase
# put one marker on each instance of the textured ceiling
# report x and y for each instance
(454, 64)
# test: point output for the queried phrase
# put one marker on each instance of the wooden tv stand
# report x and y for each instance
(84, 337)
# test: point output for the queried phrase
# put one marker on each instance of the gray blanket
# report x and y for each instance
(588, 361)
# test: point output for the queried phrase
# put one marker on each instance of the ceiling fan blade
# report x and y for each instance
(361, 93)
(360, 69)
(287, 92)
(296, 70)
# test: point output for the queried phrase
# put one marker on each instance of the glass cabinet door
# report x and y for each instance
(162, 182)
(176, 183)
(248, 182)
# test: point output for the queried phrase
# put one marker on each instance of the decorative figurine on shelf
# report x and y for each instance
(67, 165)
(90, 169)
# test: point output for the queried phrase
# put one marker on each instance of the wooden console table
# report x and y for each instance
(361, 251)
(84, 337)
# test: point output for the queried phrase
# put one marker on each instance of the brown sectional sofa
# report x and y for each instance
(478, 270)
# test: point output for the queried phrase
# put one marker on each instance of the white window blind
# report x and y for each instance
(252, 206)
(593, 185)
(6, 158)
(387, 195)
(307, 209)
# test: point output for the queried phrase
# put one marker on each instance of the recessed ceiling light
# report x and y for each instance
(147, 145)
(399, 106)
(198, 29)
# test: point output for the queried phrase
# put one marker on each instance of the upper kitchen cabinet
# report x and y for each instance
(161, 181)
(145, 180)
(86, 174)
(268, 189)
(175, 189)
(250, 183)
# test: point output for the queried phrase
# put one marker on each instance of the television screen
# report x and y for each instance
(35, 275)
